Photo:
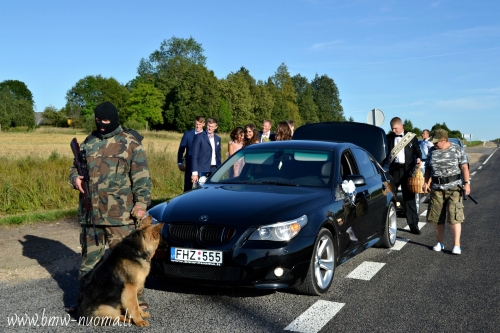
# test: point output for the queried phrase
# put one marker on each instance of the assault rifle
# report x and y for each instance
(464, 197)
(80, 164)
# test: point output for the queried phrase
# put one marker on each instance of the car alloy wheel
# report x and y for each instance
(322, 268)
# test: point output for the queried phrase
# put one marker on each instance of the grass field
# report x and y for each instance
(35, 167)
(45, 141)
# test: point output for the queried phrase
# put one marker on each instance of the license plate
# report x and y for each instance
(194, 256)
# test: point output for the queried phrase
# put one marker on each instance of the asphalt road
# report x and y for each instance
(406, 289)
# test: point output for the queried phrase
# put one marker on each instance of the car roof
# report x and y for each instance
(370, 137)
(456, 141)
(302, 144)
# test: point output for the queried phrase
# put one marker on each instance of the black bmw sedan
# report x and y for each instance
(278, 215)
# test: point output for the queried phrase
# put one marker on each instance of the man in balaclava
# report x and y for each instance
(106, 118)
(119, 183)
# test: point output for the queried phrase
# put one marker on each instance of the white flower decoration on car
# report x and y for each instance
(350, 192)
(348, 186)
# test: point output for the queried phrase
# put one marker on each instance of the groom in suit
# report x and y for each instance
(184, 160)
(206, 151)
(266, 135)
(402, 167)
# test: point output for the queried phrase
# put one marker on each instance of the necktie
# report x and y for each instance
(211, 136)
(399, 136)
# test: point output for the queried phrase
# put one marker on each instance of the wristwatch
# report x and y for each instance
(467, 182)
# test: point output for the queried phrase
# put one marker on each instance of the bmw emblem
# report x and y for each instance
(204, 218)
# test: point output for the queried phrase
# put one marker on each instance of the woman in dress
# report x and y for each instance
(237, 139)
(283, 131)
(251, 135)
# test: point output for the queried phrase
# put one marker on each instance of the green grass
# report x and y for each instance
(36, 189)
(473, 143)
(34, 186)
(31, 218)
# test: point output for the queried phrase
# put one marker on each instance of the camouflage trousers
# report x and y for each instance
(446, 202)
(91, 253)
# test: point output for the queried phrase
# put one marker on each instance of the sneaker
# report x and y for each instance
(457, 250)
(438, 247)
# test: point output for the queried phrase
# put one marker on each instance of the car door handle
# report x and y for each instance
(367, 194)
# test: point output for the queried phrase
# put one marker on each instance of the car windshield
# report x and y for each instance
(282, 167)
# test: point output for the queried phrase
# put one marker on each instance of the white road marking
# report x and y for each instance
(314, 318)
(420, 225)
(480, 167)
(400, 242)
(489, 157)
(366, 270)
(424, 213)
(472, 174)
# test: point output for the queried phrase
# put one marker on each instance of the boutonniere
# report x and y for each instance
(218, 143)
(411, 144)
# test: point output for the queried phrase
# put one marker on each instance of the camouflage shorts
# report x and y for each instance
(92, 253)
(445, 202)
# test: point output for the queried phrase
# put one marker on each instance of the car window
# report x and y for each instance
(366, 166)
(347, 165)
(294, 167)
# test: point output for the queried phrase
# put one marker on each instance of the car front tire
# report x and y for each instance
(319, 276)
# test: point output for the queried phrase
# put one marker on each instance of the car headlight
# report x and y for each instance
(279, 232)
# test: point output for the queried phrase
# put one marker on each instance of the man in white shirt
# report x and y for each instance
(266, 134)
(206, 151)
(402, 167)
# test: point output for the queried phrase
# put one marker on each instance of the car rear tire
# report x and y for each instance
(322, 268)
(391, 227)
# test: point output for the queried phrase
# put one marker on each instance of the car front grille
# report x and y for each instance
(183, 232)
(209, 234)
(201, 272)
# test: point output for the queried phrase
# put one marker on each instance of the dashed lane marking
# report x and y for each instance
(366, 270)
(314, 318)
(480, 167)
(400, 242)
(420, 225)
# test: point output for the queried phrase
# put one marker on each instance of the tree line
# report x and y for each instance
(408, 127)
(173, 86)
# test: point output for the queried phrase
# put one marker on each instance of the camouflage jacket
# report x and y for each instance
(119, 177)
(445, 163)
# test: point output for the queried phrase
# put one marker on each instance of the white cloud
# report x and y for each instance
(461, 104)
(325, 46)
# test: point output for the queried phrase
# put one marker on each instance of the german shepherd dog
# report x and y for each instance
(108, 293)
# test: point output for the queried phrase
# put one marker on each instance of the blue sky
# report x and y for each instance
(426, 61)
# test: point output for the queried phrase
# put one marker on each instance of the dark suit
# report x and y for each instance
(400, 174)
(202, 153)
(186, 146)
(272, 136)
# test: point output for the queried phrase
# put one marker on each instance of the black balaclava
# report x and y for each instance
(105, 111)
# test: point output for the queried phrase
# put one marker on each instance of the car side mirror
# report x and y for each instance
(358, 180)
(202, 178)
